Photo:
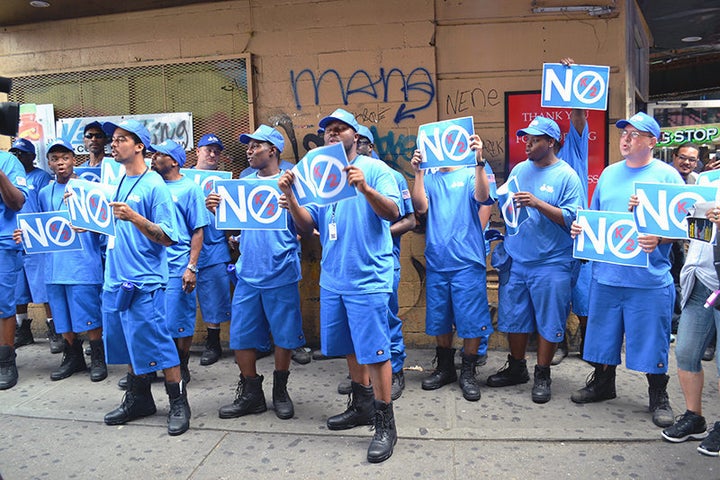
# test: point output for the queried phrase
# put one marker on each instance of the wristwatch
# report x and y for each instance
(192, 267)
(480, 163)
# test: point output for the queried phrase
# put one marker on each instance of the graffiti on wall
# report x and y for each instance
(471, 100)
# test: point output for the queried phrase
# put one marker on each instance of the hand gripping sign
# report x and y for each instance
(575, 86)
(609, 237)
(89, 206)
(446, 143)
(249, 204)
(513, 216)
(320, 177)
(47, 232)
(91, 174)
(205, 178)
(664, 207)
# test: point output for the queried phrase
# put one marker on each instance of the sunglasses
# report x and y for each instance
(94, 135)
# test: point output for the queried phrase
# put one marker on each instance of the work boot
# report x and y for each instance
(444, 372)
(184, 368)
(360, 410)
(284, 408)
(302, 355)
(249, 398)
(385, 437)
(23, 334)
(98, 368)
(179, 415)
(599, 386)
(541, 388)
(659, 404)
(73, 361)
(213, 351)
(122, 383)
(137, 403)
(398, 385)
(345, 386)
(468, 382)
(56, 340)
(8, 369)
(514, 372)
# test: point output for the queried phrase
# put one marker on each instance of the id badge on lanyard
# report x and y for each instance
(332, 226)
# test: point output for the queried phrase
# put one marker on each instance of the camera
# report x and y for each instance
(9, 111)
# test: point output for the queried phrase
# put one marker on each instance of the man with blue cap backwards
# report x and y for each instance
(634, 302)
(537, 294)
(136, 274)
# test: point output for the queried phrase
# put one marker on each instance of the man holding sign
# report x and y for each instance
(356, 281)
(635, 302)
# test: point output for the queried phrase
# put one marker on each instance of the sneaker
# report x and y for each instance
(559, 356)
(711, 445)
(709, 353)
(302, 355)
(688, 426)
(398, 385)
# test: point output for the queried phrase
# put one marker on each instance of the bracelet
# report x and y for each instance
(480, 163)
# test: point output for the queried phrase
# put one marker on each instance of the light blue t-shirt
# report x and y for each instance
(575, 153)
(454, 236)
(15, 172)
(269, 258)
(613, 191)
(406, 207)
(540, 240)
(134, 257)
(190, 214)
(36, 180)
(78, 267)
(360, 260)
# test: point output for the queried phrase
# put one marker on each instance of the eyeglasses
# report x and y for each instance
(120, 139)
(684, 158)
(363, 143)
(635, 134)
(90, 136)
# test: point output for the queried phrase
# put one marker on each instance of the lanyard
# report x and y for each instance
(131, 188)
(52, 198)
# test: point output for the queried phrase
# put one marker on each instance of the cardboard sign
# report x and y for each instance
(249, 204)
(575, 86)
(446, 143)
(664, 207)
(205, 178)
(609, 237)
(513, 216)
(320, 176)
(47, 232)
(91, 174)
(89, 206)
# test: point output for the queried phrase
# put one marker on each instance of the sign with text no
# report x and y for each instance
(446, 143)
(609, 237)
(205, 178)
(48, 232)
(91, 174)
(513, 216)
(89, 206)
(320, 177)
(249, 204)
(575, 86)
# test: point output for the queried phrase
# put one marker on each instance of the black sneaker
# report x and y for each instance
(302, 355)
(398, 385)
(688, 426)
(711, 445)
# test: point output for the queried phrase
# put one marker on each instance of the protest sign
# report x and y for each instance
(205, 178)
(575, 86)
(249, 204)
(89, 206)
(514, 216)
(47, 232)
(320, 176)
(609, 237)
(446, 143)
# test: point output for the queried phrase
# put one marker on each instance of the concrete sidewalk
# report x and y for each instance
(56, 430)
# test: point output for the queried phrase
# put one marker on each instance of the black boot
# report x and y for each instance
(444, 372)
(599, 386)
(122, 382)
(284, 408)
(179, 415)
(514, 372)
(23, 334)
(385, 438)
(73, 361)
(8, 369)
(659, 404)
(541, 392)
(213, 351)
(98, 367)
(360, 411)
(184, 369)
(468, 382)
(249, 398)
(56, 340)
(137, 403)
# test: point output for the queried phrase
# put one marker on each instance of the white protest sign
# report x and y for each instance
(47, 232)
(446, 143)
(609, 237)
(205, 178)
(249, 204)
(514, 216)
(89, 206)
(320, 176)
(575, 86)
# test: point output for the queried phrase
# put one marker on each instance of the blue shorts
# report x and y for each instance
(696, 325)
(10, 266)
(258, 312)
(139, 335)
(536, 298)
(213, 293)
(180, 309)
(581, 290)
(458, 298)
(31, 281)
(75, 308)
(643, 315)
(397, 344)
(355, 324)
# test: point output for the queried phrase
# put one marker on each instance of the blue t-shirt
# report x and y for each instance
(190, 214)
(15, 172)
(406, 207)
(540, 240)
(134, 257)
(78, 267)
(360, 260)
(284, 165)
(575, 153)
(454, 236)
(269, 258)
(613, 191)
(36, 180)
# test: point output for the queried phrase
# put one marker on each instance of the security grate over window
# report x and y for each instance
(217, 93)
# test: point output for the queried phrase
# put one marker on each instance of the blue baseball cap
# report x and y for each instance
(365, 132)
(264, 134)
(541, 126)
(23, 145)
(210, 139)
(59, 144)
(643, 122)
(343, 116)
(94, 124)
(172, 148)
(130, 125)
